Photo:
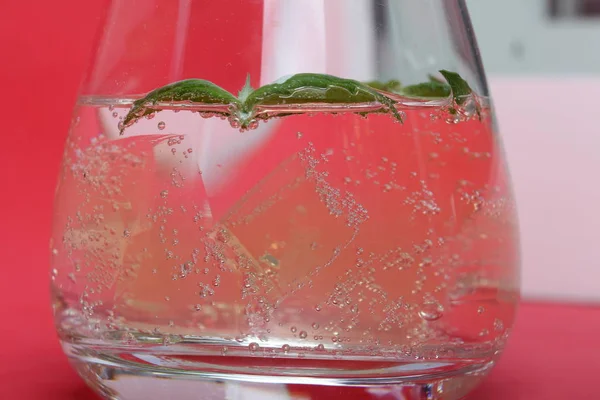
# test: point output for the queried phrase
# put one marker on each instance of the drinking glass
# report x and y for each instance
(318, 206)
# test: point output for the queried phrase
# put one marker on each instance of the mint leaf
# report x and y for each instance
(427, 90)
(392, 86)
(197, 91)
(304, 88)
(460, 87)
(245, 91)
(436, 88)
(433, 78)
(307, 88)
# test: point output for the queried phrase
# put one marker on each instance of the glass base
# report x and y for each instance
(144, 376)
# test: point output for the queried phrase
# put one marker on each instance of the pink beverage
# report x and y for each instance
(379, 248)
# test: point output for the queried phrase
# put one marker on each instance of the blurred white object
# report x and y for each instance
(286, 22)
(315, 28)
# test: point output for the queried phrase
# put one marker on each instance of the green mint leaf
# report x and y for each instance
(245, 91)
(307, 88)
(460, 87)
(197, 91)
(304, 88)
(433, 78)
(392, 86)
(437, 88)
(427, 90)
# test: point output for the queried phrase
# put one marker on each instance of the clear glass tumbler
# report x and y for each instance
(317, 204)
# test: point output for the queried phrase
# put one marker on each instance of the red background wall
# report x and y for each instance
(44, 49)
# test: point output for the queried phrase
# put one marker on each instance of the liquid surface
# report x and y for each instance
(357, 241)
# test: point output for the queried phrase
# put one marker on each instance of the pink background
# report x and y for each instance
(552, 135)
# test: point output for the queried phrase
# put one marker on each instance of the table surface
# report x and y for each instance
(554, 352)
